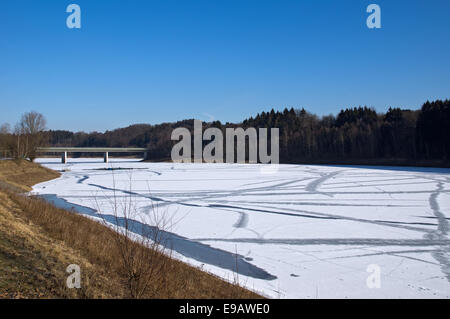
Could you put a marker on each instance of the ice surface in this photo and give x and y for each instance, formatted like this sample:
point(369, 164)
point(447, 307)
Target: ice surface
point(299, 231)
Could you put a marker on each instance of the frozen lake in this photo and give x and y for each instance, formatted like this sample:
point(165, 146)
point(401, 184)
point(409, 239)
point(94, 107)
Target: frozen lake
point(299, 232)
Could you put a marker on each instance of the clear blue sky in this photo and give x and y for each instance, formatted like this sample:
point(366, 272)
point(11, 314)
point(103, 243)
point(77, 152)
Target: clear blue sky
point(154, 61)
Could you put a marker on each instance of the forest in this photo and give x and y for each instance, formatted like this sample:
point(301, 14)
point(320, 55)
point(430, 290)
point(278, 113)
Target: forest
point(357, 135)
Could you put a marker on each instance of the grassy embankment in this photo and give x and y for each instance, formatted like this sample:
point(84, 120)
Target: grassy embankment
point(38, 241)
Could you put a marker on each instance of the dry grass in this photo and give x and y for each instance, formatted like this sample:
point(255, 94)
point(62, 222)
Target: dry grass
point(38, 241)
point(32, 264)
point(22, 174)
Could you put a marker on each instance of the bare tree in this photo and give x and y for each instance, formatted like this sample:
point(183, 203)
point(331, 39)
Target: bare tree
point(5, 140)
point(141, 242)
point(33, 123)
point(29, 132)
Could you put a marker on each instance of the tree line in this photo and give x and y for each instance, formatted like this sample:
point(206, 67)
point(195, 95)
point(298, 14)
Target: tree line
point(361, 134)
point(354, 135)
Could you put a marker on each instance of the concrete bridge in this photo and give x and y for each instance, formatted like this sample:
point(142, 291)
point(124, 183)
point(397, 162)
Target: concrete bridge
point(105, 150)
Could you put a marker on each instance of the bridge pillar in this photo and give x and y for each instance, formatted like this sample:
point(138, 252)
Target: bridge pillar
point(145, 155)
point(64, 157)
point(106, 157)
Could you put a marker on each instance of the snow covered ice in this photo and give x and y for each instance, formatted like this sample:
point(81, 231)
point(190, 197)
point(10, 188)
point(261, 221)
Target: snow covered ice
point(299, 231)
